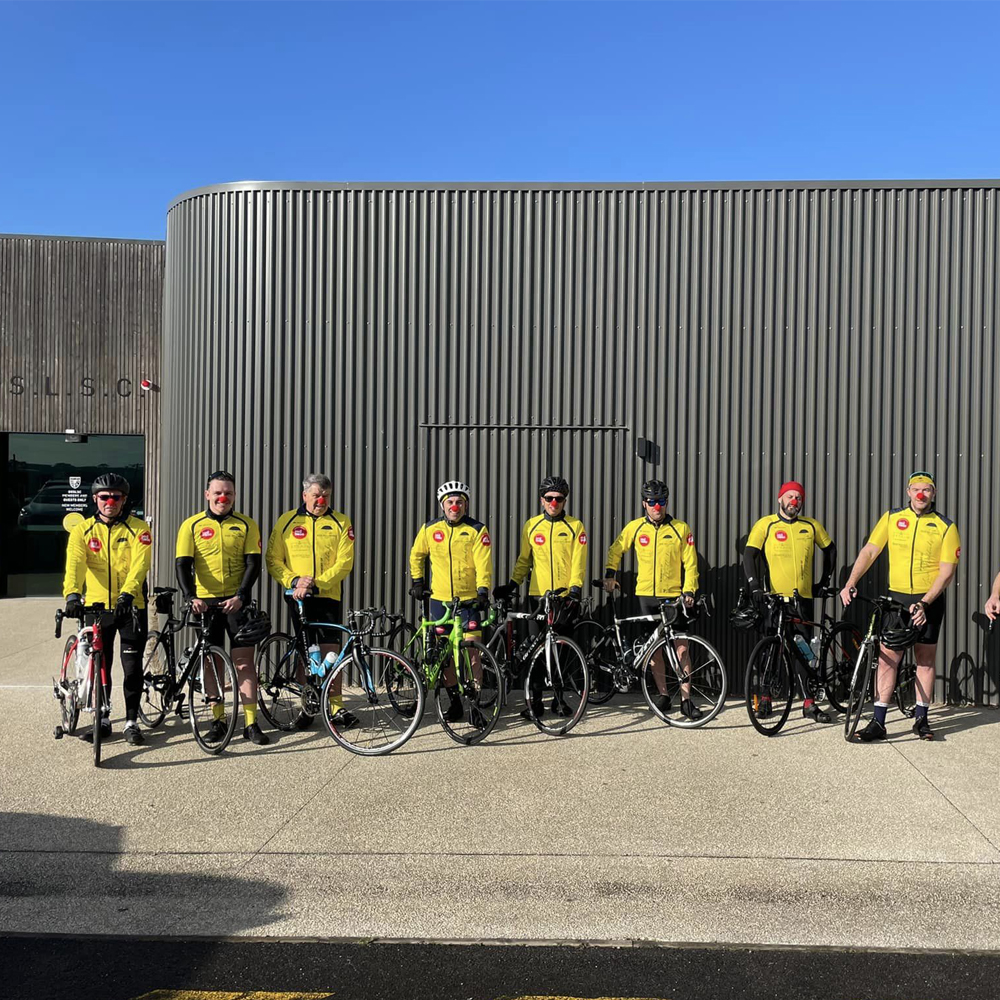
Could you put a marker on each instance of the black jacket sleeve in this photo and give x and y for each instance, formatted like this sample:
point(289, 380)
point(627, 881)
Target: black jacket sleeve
point(251, 574)
point(829, 564)
point(184, 567)
point(753, 560)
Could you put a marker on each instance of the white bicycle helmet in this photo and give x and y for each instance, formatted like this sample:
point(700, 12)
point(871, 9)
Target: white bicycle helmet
point(450, 487)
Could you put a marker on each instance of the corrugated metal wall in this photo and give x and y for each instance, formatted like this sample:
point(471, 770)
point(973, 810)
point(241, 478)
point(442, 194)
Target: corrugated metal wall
point(399, 335)
point(80, 327)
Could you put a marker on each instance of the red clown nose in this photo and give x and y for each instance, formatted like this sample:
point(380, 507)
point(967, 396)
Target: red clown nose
point(921, 496)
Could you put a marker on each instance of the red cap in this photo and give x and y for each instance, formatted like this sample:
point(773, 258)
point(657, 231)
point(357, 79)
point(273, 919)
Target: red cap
point(791, 485)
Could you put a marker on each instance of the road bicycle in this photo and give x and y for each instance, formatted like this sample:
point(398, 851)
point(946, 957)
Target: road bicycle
point(825, 662)
point(686, 694)
point(75, 689)
point(295, 684)
point(440, 644)
point(200, 685)
point(390, 630)
point(863, 676)
point(553, 666)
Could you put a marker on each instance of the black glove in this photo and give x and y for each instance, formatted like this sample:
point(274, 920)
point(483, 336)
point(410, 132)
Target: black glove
point(483, 598)
point(418, 590)
point(123, 606)
point(575, 593)
point(505, 591)
point(74, 606)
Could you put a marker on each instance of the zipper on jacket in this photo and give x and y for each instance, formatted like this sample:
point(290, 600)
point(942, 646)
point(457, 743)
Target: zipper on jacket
point(451, 561)
point(656, 543)
point(913, 549)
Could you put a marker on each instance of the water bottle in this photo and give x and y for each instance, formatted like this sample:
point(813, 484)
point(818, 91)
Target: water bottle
point(814, 646)
point(82, 674)
point(804, 648)
point(315, 666)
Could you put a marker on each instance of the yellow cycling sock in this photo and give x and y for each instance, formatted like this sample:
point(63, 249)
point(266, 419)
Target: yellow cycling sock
point(336, 703)
point(250, 713)
point(218, 711)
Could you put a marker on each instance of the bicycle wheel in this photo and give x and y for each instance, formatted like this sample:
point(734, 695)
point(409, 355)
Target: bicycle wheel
point(860, 687)
point(213, 697)
point(837, 658)
point(157, 681)
point(507, 667)
point(480, 694)
point(380, 704)
point(768, 685)
point(97, 699)
point(906, 685)
point(280, 672)
point(598, 649)
point(704, 671)
point(399, 638)
point(68, 693)
point(558, 679)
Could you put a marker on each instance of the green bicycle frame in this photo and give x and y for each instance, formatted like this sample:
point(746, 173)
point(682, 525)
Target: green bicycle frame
point(431, 668)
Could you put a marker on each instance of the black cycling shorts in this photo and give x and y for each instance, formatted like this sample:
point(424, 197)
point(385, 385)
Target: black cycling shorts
point(220, 626)
point(318, 609)
point(468, 611)
point(935, 615)
point(651, 606)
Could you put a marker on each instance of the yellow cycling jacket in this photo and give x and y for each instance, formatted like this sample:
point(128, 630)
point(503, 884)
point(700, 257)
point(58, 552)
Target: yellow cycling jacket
point(554, 552)
point(665, 555)
point(106, 560)
point(917, 547)
point(788, 548)
point(461, 558)
point(219, 546)
point(320, 546)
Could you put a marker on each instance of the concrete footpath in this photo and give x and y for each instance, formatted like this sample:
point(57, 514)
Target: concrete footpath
point(624, 831)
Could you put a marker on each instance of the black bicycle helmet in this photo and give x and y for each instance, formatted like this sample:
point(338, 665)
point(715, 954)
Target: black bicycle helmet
point(746, 615)
point(110, 481)
point(556, 483)
point(898, 632)
point(654, 489)
point(255, 626)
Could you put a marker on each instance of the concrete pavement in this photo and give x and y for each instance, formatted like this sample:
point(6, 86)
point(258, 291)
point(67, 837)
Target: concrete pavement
point(623, 831)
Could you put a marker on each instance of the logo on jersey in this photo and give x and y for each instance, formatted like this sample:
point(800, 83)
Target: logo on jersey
point(781, 536)
point(145, 538)
point(350, 533)
point(298, 531)
point(473, 625)
point(690, 538)
point(958, 551)
point(902, 524)
point(438, 536)
point(583, 537)
point(207, 533)
point(539, 539)
point(644, 539)
point(486, 540)
point(94, 545)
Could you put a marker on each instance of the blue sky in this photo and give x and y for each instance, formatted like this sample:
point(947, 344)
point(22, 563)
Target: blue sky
point(110, 110)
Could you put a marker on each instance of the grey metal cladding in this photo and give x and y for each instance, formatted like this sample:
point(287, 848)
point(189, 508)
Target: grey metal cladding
point(396, 336)
point(80, 327)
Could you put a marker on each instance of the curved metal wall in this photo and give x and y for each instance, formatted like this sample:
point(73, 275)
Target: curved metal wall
point(399, 335)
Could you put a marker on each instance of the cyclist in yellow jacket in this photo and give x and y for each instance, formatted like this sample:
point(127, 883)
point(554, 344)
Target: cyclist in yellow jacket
point(667, 563)
point(924, 546)
point(218, 565)
point(107, 560)
point(554, 552)
point(310, 552)
point(460, 552)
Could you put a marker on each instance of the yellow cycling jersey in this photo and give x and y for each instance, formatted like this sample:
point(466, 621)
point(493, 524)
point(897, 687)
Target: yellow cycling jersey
point(219, 546)
point(917, 547)
point(665, 555)
point(788, 548)
point(104, 561)
point(320, 546)
point(461, 557)
point(554, 552)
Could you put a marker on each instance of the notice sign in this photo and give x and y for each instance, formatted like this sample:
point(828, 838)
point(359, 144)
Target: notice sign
point(75, 499)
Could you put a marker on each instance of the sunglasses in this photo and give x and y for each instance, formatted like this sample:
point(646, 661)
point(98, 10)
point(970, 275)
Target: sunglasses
point(553, 498)
point(105, 497)
point(656, 502)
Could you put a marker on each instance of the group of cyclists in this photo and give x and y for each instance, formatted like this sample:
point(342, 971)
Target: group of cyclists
point(310, 552)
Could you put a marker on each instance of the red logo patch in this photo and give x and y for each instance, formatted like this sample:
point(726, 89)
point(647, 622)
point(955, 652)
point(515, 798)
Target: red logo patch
point(438, 536)
point(145, 538)
point(644, 539)
point(958, 551)
point(350, 533)
point(539, 539)
point(207, 533)
point(902, 524)
point(781, 536)
point(486, 540)
point(583, 537)
point(94, 545)
point(473, 625)
point(298, 531)
point(690, 539)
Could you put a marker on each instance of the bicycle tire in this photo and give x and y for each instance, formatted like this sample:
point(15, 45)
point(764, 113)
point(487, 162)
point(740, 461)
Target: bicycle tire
point(708, 684)
point(482, 699)
point(384, 721)
point(209, 684)
point(595, 641)
point(277, 665)
point(399, 637)
point(97, 700)
point(570, 687)
point(498, 647)
point(767, 687)
point(838, 655)
point(157, 689)
point(69, 703)
point(906, 685)
point(861, 681)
